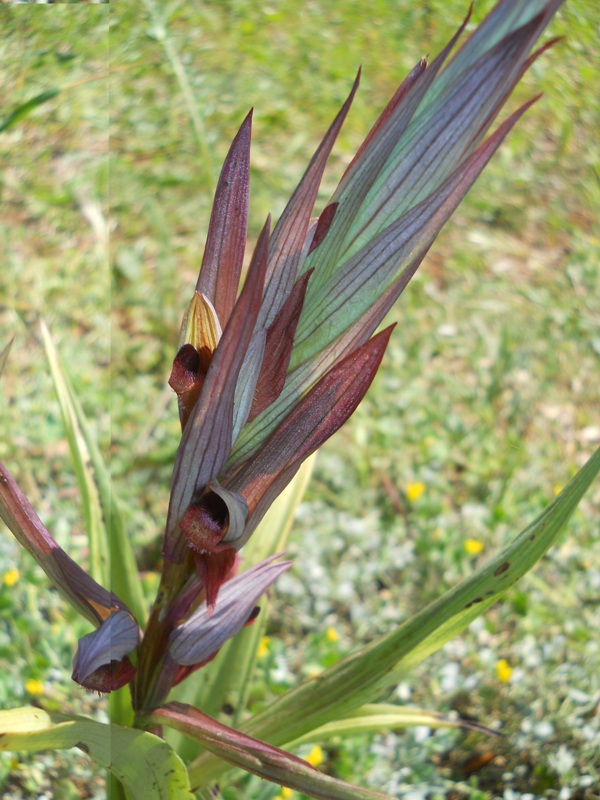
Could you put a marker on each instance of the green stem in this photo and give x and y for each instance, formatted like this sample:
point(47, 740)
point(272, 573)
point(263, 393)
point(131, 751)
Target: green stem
point(121, 713)
point(160, 32)
point(155, 670)
point(115, 789)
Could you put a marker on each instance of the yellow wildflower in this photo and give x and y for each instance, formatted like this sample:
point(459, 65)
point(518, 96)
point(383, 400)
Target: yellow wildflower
point(503, 670)
point(315, 757)
point(285, 794)
point(332, 635)
point(414, 490)
point(11, 577)
point(33, 686)
point(263, 647)
point(473, 546)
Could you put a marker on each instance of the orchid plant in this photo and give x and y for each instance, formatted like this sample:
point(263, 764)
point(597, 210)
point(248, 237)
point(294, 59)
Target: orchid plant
point(264, 375)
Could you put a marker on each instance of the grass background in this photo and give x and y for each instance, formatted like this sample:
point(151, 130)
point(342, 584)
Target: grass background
point(487, 396)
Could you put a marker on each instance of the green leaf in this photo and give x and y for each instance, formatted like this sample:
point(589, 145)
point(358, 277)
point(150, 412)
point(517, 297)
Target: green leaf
point(157, 15)
point(90, 500)
point(146, 765)
point(385, 716)
point(210, 793)
point(369, 673)
point(25, 108)
point(261, 759)
point(95, 487)
point(4, 356)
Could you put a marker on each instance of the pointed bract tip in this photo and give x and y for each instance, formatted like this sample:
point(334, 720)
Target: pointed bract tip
point(542, 49)
point(244, 133)
point(261, 248)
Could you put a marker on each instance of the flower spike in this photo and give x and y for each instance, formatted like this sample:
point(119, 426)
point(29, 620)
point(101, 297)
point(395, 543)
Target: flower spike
point(299, 351)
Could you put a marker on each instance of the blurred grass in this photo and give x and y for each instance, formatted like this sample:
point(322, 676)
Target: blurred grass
point(487, 396)
point(53, 233)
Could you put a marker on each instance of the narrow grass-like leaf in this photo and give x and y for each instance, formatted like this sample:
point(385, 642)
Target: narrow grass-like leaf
point(158, 18)
point(80, 456)
point(378, 717)
point(209, 793)
point(369, 673)
point(261, 759)
point(146, 765)
point(4, 356)
point(26, 108)
point(124, 576)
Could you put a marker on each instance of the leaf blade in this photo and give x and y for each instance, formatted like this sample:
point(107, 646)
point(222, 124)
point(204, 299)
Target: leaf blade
point(145, 764)
point(26, 108)
point(80, 456)
point(375, 717)
point(123, 575)
point(366, 675)
point(261, 759)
